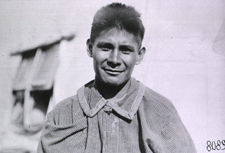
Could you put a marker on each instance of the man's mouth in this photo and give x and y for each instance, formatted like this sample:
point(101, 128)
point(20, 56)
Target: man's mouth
point(113, 71)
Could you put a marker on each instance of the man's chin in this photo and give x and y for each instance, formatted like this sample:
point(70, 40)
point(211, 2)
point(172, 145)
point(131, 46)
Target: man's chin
point(115, 82)
point(112, 82)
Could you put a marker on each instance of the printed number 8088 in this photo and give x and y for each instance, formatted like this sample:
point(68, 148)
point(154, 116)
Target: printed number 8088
point(215, 145)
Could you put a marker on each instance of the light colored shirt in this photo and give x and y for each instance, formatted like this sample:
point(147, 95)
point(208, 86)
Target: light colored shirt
point(142, 121)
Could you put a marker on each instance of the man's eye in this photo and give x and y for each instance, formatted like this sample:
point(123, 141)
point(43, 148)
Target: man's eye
point(105, 48)
point(126, 51)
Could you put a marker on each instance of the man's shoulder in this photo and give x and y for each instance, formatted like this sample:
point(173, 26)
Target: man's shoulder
point(67, 102)
point(71, 101)
point(156, 100)
point(157, 110)
point(69, 109)
point(65, 111)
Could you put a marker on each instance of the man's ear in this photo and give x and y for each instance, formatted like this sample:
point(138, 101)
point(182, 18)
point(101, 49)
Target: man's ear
point(89, 47)
point(141, 55)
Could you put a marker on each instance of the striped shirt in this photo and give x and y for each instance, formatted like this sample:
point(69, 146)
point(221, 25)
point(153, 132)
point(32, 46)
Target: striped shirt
point(142, 121)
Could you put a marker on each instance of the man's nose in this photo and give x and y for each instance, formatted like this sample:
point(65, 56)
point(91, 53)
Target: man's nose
point(114, 57)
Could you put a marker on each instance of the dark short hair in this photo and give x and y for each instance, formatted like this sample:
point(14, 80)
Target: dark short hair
point(120, 16)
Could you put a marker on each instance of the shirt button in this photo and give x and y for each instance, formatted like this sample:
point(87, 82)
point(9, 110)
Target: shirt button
point(107, 109)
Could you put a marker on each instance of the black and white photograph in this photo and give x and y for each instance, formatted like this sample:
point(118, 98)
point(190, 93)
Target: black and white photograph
point(104, 76)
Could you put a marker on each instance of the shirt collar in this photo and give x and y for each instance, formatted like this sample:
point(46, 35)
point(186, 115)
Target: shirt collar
point(92, 102)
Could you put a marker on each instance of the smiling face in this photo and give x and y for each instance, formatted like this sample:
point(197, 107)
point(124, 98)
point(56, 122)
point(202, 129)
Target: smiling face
point(115, 53)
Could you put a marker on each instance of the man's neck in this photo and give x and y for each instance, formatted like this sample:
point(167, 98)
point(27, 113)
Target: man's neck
point(112, 92)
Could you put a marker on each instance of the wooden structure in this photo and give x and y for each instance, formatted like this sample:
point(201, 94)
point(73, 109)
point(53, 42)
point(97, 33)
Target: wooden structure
point(34, 82)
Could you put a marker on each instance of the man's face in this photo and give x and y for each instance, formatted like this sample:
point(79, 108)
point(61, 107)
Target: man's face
point(115, 53)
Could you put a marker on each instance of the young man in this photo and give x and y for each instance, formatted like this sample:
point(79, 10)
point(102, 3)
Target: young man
point(115, 113)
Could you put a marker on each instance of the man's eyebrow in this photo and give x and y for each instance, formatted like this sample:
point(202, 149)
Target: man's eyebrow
point(127, 46)
point(100, 44)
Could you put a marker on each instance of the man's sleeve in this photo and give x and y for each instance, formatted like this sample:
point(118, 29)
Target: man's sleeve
point(64, 131)
point(161, 126)
point(176, 137)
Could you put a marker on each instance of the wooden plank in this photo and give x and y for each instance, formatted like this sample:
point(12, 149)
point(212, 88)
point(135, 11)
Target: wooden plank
point(28, 102)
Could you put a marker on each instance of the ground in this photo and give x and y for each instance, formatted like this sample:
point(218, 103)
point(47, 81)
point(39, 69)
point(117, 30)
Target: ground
point(12, 140)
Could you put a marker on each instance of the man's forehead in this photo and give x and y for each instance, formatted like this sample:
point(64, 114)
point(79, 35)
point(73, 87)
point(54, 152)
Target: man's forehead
point(118, 33)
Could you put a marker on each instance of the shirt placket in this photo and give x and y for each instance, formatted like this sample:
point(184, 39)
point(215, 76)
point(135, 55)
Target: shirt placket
point(109, 131)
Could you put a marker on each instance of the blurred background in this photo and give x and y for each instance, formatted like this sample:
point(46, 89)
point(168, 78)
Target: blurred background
point(43, 60)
